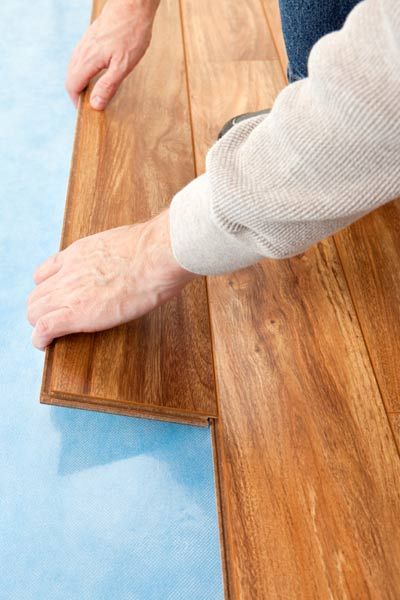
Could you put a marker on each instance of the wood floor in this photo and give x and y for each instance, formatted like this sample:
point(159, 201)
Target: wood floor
point(305, 402)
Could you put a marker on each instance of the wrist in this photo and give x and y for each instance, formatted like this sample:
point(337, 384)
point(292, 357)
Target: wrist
point(159, 255)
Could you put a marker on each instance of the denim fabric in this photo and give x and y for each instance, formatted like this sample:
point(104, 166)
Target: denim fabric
point(304, 22)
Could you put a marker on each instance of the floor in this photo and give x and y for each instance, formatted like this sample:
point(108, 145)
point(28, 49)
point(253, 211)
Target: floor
point(92, 506)
point(306, 356)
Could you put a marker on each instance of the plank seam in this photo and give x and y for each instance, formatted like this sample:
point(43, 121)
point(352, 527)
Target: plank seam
point(271, 32)
point(367, 347)
point(218, 484)
point(186, 63)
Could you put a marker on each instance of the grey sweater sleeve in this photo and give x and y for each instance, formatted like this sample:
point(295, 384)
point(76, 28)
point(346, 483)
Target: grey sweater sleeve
point(328, 153)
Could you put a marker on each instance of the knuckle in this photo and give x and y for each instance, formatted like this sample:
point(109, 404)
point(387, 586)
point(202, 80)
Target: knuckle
point(121, 64)
point(107, 85)
point(43, 326)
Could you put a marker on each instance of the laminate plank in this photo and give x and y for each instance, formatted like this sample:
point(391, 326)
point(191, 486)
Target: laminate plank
point(370, 254)
point(127, 164)
point(395, 423)
point(271, 8)
point(308, 471)
point(243, 38)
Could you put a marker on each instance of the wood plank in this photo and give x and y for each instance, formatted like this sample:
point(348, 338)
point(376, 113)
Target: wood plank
point(271, 8)
point(127, 164)
point(395, 423)
point(370, 254)
point(308, 470)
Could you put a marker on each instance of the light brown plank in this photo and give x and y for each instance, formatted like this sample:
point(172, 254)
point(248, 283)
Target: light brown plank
point(308, 470)
point(271, 8)
point(370, 253)
point(395, 423)
point(127, 164)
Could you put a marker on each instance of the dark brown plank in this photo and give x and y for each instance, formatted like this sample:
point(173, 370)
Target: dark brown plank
point(308, 471)
point(128, 162)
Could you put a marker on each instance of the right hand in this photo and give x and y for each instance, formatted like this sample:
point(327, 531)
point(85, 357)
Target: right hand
point(115, 41)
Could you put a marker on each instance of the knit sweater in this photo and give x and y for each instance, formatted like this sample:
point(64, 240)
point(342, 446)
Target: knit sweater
point(327, 154)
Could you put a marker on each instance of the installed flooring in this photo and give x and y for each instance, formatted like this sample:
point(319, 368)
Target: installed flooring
point(305, 403)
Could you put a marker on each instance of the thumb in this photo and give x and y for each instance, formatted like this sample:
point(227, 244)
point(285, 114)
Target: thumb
point(106, 87)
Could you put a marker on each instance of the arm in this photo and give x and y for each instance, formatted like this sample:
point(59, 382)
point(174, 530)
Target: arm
point(115, 41)
point(327, 154)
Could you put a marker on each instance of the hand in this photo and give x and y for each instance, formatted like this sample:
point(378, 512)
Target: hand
point(104, 280)
point(115, 41)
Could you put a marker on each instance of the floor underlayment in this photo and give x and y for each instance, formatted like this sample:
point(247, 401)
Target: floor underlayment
point(92, 505)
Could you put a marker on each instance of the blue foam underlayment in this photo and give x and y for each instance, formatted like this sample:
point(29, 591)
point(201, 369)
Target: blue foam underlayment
point(92, 506)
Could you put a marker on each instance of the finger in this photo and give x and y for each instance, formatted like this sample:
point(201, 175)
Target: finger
point(42, 306)
point(48, 286)
point(53, 325)
point(50, 267)
point(106, 87)
point(80, 72)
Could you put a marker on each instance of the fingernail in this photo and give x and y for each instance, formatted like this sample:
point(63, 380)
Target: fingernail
point(97, 102)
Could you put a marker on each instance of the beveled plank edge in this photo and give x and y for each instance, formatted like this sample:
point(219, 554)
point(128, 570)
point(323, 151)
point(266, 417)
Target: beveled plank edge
point(389, 414)
point(49, 352)
point(394, 420)
point(196, 174)
point(274, 37)
point(126, 405)
point(83, 404)
point(129, 404)
point(221, 509)
point(211, 421)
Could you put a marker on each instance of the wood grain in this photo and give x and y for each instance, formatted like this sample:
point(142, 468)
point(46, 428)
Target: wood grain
point(271, 8)
point(395, 423)
point(309, 474)
point(370, 253)
point(128, 162)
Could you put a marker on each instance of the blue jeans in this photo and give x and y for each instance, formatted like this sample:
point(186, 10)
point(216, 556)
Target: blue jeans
point(304, 22)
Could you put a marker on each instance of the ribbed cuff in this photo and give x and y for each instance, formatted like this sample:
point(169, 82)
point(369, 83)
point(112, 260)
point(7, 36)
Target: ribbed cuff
point(198, 244)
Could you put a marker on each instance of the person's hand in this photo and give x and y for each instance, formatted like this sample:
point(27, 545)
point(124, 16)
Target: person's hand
point(104, 280)
point(115, 41)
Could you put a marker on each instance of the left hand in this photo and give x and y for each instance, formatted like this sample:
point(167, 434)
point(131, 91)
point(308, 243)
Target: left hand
point(104, 280)
point(115, 41)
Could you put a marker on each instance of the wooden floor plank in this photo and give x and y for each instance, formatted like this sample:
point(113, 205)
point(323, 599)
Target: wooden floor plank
point(128, 162)
point(309, 472)
point(395, 423)
point(370, 254)
point(271, 8)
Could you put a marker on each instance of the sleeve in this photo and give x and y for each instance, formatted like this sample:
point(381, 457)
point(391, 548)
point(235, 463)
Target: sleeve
point(327, 154)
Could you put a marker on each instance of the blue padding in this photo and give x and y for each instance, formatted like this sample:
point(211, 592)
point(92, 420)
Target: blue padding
point(92, 506)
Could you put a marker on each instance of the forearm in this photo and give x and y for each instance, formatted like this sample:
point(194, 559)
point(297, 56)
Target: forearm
point(327, 154)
